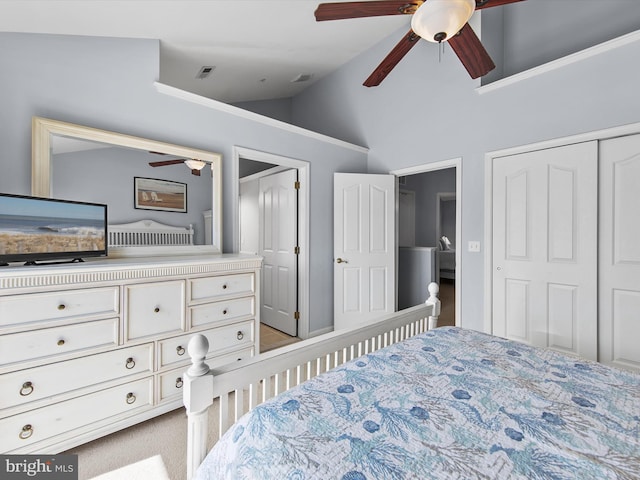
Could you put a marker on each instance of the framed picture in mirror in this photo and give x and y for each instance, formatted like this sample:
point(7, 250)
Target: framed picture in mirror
point(156, 194)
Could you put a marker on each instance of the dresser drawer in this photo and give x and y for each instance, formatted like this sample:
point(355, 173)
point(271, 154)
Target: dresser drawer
point(229, 338)
point(22, 430)
point(37, 344)
point(154, 309)
point(52, 306)
point(25, 386)
point(223, 311)
point(213, 288)
point(171, 382)
point(174, 350)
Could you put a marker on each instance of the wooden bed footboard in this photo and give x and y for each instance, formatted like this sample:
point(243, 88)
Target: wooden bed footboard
point(240, 386)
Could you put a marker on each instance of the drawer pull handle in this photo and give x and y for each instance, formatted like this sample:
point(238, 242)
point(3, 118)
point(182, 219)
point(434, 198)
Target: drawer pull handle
point(180, 350)
point(156, 310)
point(130, 363)
point(225, 311)
point(131, 398)
point(62, 306)
point(224, 286)
point(239, 335)
point(26, 432)
point(27, 389)
point(61, 342)
point(179, 382)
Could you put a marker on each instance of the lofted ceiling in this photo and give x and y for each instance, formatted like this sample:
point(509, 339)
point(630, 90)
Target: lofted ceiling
point(258, 47)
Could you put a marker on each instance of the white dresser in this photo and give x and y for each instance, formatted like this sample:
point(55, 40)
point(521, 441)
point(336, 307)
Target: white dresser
point(88, 349)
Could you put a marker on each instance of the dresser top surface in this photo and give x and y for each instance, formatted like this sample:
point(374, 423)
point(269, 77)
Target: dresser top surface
point(116, 269)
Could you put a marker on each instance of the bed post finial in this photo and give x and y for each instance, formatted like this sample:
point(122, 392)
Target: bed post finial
point(198, 348)
point(435, 301)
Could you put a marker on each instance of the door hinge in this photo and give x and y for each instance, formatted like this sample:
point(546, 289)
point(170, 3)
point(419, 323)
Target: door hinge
point(296, 315)
point(296, 185)
point(296, 250)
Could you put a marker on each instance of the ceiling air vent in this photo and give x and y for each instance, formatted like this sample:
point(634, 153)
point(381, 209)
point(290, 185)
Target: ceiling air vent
point(303, 77)
point(204, 72)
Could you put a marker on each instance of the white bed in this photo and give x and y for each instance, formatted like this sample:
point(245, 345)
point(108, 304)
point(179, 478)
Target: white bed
point(399, 399)
point(148, 233)
point(239, 387)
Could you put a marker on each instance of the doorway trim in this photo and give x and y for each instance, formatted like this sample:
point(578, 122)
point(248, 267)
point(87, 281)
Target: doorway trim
point(441, 165)
point(303, 167)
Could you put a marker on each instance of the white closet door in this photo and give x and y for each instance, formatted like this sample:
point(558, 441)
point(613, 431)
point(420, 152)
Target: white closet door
point(545, 248)
point(619, 269)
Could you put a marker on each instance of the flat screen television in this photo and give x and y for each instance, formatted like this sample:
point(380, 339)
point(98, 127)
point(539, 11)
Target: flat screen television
point(34, 229)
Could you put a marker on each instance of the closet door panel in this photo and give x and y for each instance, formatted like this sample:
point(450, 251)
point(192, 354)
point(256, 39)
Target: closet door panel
point(619, 264)
point(545, 237)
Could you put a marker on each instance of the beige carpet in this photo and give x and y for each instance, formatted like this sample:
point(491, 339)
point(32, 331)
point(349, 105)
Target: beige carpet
point(165, 435)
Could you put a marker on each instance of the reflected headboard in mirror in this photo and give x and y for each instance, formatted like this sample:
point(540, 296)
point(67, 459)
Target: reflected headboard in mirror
point(138, 178)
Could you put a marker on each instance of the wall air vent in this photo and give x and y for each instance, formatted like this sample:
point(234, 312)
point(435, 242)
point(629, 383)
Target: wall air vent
point(204, 72)
point(303, 77)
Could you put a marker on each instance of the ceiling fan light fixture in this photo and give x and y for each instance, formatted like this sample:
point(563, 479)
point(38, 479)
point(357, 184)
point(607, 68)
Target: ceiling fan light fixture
point(194, 164)
point(439, 20)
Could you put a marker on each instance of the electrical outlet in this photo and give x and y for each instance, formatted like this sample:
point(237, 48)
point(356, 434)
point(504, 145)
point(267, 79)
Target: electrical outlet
point(474, 246)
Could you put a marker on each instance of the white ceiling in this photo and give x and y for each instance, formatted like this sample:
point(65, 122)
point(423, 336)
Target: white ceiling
point(257, 46)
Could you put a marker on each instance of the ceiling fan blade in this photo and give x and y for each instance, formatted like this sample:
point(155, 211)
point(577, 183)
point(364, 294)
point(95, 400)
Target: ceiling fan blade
point(480, 4)
point(391, 60)
point(472, 54)
point(340, 11)
point(165, 162)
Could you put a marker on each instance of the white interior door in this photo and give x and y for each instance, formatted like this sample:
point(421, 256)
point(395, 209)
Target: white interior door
point(619, 265)
point(278, 209)
point(364, 247)
point(545, 248)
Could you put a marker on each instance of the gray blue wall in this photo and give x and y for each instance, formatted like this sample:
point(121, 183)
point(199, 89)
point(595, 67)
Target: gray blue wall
point(109, 84)
point(428, 111)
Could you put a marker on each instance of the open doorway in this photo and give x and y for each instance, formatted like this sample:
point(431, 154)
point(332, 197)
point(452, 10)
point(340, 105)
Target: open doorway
point(271, 215)
point(429, 222)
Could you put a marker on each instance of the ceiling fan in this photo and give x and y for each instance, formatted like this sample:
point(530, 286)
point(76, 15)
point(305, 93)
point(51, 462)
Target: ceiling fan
point(434, 20)
point(193, 164)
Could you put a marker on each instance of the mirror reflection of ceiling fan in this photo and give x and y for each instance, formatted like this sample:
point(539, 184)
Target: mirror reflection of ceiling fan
point(193, 164)
point(434, 20)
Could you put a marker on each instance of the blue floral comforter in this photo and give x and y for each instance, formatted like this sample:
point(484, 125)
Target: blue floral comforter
point(449, 403)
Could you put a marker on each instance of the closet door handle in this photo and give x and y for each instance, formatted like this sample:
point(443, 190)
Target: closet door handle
point(341, 260)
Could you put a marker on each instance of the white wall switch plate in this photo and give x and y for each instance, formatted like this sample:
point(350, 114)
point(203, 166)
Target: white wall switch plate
point(474, 246)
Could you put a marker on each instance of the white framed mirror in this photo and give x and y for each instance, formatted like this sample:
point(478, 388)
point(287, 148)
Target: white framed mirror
point(75, 162)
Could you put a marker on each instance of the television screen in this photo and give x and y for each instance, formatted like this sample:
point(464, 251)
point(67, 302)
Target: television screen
point(34, 229)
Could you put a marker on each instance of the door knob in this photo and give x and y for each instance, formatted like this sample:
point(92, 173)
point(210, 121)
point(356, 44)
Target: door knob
point(340, 260)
